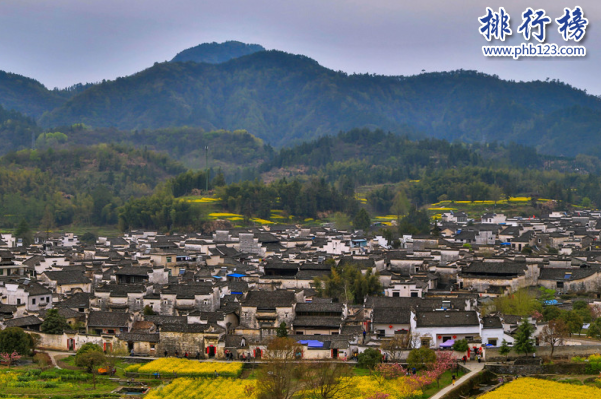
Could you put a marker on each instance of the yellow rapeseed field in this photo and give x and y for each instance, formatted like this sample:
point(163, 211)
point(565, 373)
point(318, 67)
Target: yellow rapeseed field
point(529, 388)
point(186, 367)
point(203, 388)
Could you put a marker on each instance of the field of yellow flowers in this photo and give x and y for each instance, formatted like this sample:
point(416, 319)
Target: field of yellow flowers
point(203, 388)
point(528, 388)
point(190, 368)
point(209, 388)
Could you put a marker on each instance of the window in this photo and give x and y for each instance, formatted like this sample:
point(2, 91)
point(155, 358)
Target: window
point(413, 294)
point(469, 338)
point(492, 342)
point(33, 301)
point(152, 346)
point(560, 284)
point(425, 342)
point(169, 259)
point(396, 294)
point(206, 301)
point(1, 272)
point(47, 299)
point(18, 301)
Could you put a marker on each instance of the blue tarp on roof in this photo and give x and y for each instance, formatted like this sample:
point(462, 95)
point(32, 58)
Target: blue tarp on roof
point(236, 275)
point(505, 243)
point(216, 277)
point(551, 302)
point(237, 293)
point(312, 343)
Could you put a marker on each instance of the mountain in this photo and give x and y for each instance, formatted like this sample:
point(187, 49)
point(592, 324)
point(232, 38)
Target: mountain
point(26, 95)
point(284, 98)
point(216, 53)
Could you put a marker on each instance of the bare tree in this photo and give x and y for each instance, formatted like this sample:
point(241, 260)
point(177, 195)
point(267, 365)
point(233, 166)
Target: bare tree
point(554, 334)
point(399, 343)
point(280, 377)
point(326, 380)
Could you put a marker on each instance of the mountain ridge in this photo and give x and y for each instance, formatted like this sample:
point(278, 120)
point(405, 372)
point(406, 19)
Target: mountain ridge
point(286, 99)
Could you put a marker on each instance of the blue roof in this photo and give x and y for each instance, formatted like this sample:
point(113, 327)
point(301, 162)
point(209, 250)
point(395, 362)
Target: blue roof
point(237, 293)
point(236, 275)
point(312, 343)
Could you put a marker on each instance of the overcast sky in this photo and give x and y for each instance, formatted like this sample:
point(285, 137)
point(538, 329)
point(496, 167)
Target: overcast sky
point(63, 42)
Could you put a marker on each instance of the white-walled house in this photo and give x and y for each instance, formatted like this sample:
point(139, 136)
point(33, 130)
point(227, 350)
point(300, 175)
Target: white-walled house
point(436, 327)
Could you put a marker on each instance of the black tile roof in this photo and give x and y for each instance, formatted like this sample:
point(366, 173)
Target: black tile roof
point(447, 319)
point(108, 319)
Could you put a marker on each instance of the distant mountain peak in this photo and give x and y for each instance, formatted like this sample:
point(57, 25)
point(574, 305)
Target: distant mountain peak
point(216, 53)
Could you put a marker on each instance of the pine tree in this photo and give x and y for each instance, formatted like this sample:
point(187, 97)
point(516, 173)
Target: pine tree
point(504, 349)
point(282, 330)
point(362, 221)
point(523, 338)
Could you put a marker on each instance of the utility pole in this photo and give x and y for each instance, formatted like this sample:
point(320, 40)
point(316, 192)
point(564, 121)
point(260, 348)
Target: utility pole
point(207, 168)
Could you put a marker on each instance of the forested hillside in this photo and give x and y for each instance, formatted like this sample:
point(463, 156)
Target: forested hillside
point(78, 185)
point(216, 53)
point(284, 98)
point(26, 95)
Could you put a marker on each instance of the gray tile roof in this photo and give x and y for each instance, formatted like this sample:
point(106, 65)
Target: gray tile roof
point(447, 319)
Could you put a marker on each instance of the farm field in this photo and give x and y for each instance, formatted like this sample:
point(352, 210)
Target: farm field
point(188, 368)
point(528, 388)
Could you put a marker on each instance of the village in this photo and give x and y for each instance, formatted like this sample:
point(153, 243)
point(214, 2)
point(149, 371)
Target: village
point(227, 294)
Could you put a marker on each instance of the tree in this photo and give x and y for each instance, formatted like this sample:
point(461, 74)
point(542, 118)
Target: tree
point(444, 361)
point(369, 358)
point(523, 338)
point(460, 345)
point(348, 284)
point(554, 334)
point(552, 312)
point(35, 341)
point(400, 205)
point(573, 321)
point(504, 349)
point(280, 377)
point(14, 339)
point(422, 357)
point(54, 323)
point(91, 361)
point(328, 381)
point(594, 330)
point(148, 311)
point(24, 233)
point(399, 343)
point(88, 238)
point(10, 358)
point(85, 348)
point(362, 221)
point(546, 294)
point(416, 222)
point(521, 303)
point(282, 330)
point(341, 221)
point(578, 305)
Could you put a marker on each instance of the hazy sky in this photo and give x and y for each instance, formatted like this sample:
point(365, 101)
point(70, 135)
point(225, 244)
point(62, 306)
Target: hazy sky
point(62, 42)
